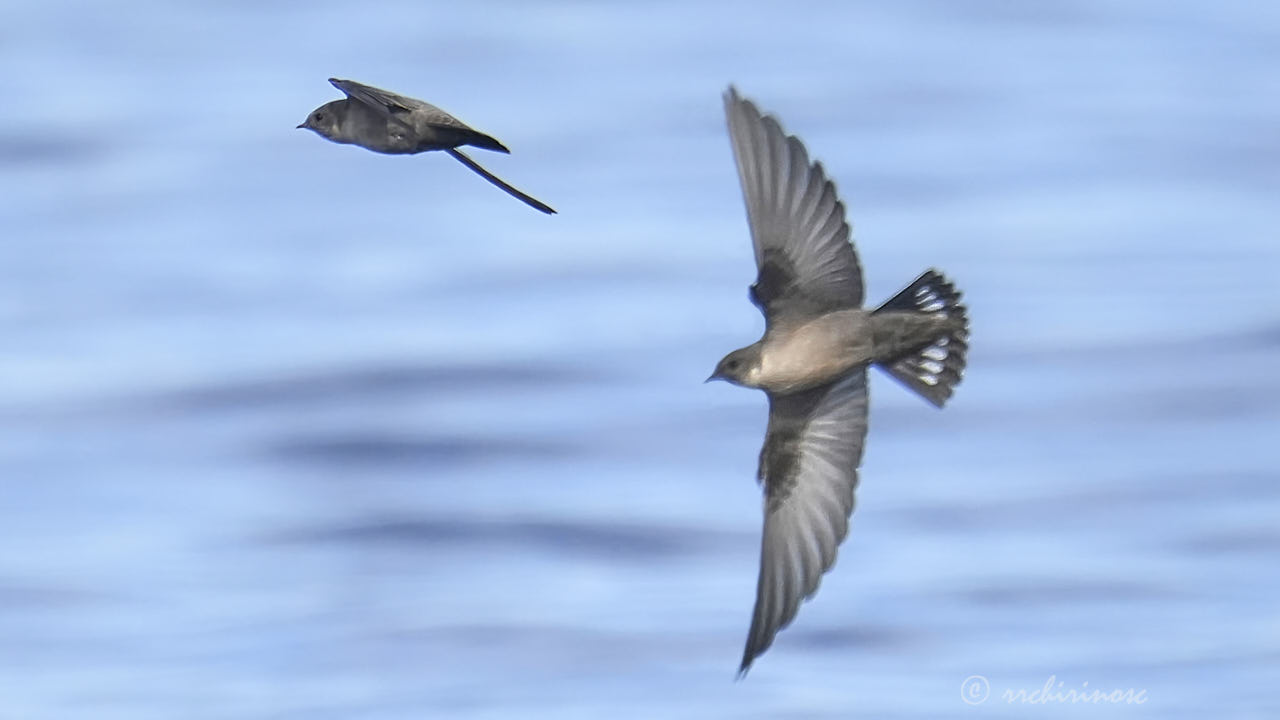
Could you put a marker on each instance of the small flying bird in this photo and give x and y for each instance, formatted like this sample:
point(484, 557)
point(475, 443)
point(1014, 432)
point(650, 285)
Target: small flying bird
point(812, 361)
point(388, 123)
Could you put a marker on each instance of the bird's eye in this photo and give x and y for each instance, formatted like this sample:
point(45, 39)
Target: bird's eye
point(732, 365)
point(318, 117)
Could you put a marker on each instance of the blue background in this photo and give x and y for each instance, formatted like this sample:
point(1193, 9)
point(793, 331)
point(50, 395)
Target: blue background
point(294, 430)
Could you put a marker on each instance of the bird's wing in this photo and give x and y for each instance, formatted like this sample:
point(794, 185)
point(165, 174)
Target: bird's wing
point(809, 468)
point(506, 187)
point(398, 107)
point(806, 263)
point(394, 107)
point(381, 100)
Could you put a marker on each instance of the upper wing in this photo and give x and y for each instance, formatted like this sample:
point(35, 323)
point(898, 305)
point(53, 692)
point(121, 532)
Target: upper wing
point(806, 263)
point(395, 107)
point(809, 467)
point(398, 107)
point(381, 100)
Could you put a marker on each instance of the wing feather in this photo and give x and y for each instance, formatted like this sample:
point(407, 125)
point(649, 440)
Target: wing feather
point(404, 110)
point(809, 468)
point(805, 261)
point(384, 101)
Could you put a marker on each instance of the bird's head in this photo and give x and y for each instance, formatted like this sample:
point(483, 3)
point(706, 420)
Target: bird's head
point(325, 119)
point(740, 367)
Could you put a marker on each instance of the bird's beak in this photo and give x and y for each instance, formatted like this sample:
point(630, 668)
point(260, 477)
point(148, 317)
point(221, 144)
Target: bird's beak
point(302, 126)
point(714, 376)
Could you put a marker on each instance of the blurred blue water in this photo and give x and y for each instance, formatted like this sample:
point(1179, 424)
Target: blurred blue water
point(293, 430)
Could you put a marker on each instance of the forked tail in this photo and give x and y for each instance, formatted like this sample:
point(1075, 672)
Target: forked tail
point(933, 370)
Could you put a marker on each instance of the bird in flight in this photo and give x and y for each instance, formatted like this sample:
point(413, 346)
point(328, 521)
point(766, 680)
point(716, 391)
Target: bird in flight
point(388, 123)
point(812, 360)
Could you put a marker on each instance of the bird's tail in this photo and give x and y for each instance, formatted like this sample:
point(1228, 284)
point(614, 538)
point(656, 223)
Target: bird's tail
point(934, 369)
point(529, 200)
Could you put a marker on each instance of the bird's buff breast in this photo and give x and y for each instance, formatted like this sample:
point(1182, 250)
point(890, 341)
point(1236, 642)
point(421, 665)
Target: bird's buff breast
point(814, 353)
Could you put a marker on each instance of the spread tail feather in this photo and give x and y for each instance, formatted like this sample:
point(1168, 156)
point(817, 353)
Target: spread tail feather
point(935, 369)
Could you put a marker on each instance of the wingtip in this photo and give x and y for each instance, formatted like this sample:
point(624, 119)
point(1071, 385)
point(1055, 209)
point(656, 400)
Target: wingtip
point(732, 97)
point(739, 108)
point(749, 655)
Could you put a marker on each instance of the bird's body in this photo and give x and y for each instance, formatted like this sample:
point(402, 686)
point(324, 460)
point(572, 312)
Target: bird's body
point(799, 357)
point(384, 122)
point(812, 360)
point(417, 128)
point(795, 358)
